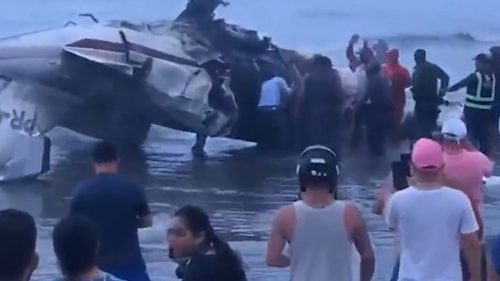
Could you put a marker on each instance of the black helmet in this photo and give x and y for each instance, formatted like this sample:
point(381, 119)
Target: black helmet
point(318, 164)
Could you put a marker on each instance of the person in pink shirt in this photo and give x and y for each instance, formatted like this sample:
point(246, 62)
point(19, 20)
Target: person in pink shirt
point(464, 169)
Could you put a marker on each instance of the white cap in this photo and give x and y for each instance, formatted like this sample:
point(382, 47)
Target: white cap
point(454, 129)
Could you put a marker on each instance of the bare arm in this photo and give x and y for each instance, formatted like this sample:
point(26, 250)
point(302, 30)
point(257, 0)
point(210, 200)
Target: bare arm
point(351, 56)
point(277, 242)
point(407, 80)
point(492, 274)
point(472, 248)
point(361, 240)
point(470, 241)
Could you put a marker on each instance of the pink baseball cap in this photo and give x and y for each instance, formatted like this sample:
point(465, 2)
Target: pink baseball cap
point(427, 155)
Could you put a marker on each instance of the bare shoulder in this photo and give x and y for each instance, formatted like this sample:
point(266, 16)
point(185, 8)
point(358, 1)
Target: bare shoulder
point(284, 213)
point(352, 214)
point(351, 208)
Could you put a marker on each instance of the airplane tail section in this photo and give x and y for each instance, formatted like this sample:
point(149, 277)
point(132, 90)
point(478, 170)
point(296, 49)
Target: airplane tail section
point(24, 151)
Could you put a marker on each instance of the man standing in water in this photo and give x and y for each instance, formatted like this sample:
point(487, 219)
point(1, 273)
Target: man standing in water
point(321, 108)
point(359, 66)
point(479, 101)
point(320, 230)
point(425, 93)
point(495, 67)
point(400, 79)
point(117, 207)
point(430, 237)
point(377, 107)
point(274, 108)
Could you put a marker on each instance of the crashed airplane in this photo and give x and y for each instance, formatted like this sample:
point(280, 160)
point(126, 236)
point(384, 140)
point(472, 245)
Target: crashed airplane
point(113, 80)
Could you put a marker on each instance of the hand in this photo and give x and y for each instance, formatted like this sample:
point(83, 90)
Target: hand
point(354, 39)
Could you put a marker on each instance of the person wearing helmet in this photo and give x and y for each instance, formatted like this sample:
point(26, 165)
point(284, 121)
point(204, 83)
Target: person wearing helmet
point(319, 229)
point(480, 97)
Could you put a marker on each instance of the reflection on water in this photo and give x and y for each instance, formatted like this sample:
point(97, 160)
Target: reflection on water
point(240, 188)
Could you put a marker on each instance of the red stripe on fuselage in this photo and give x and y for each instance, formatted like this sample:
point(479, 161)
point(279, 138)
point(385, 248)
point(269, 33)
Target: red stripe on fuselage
point(118, 47)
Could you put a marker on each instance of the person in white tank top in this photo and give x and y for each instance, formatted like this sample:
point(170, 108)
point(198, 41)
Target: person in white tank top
point(319, 229)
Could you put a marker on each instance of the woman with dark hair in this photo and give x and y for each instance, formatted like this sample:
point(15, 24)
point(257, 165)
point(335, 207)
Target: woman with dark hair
point(201, 254)
point(75, 244)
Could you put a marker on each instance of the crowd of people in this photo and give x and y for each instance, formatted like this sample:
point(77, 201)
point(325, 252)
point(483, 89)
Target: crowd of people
point(437, 222)
point(315, 94)
point(436, 219)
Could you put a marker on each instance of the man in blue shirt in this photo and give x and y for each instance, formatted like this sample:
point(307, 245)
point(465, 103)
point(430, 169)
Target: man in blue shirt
point(117, 207)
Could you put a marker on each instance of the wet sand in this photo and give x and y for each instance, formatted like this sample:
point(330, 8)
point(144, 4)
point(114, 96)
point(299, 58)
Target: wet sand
point(239, 186)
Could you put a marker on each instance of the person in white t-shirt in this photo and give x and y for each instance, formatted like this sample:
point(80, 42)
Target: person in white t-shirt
point(431, 220)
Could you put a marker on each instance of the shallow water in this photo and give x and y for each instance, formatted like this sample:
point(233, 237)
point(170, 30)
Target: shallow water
point(240, 187)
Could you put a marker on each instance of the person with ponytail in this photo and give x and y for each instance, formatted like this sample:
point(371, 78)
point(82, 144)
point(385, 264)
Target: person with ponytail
point(200, 253)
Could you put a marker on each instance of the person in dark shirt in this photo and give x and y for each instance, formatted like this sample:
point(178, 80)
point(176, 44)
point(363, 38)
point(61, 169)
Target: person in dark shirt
point(321, 108)
point(18, 258)
point(117, 207)
point(76, 246)
point(201, 254)
point(479, 103)
point(377, 107)
point(426, 94)
point(495, 65)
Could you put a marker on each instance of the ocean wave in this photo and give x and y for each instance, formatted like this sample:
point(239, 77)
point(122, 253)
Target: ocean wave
point(459, 36)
